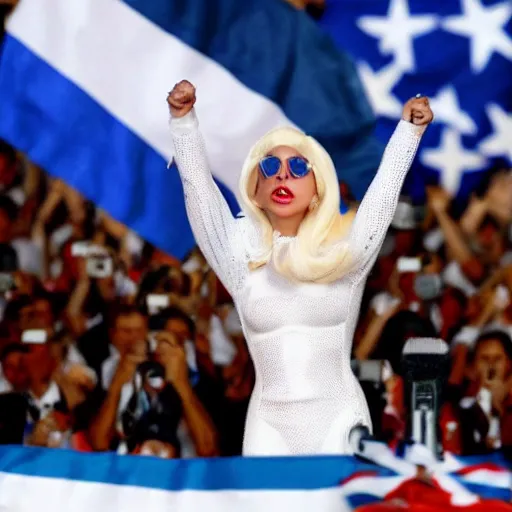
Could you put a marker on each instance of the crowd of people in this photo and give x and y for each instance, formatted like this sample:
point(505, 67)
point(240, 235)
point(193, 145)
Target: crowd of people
point(107, 343)
point(446, 272)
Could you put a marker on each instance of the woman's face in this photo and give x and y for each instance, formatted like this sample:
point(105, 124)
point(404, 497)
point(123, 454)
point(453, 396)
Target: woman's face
point(284, 196)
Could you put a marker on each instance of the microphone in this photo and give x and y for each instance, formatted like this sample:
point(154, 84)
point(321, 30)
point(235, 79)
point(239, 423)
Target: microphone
point(357, 437)
point(426, 365)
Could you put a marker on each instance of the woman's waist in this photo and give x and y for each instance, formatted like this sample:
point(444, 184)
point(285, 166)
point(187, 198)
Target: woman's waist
point(299, 351)
point(309, 341)
point(293, 385)
point(295, 401)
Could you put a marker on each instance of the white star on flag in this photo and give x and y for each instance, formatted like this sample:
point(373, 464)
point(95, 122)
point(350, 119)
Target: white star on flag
point(484, 25)
point(446, 107)
point(378, 85)
point(452, 160)
point(397, 30)
point(498, 143)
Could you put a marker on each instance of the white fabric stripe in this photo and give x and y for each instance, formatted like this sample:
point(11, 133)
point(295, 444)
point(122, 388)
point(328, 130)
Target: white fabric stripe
point(128, 64)
point(19, 493)
point(485, 477)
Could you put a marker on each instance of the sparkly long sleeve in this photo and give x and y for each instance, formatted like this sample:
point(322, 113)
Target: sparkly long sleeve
point(378, 207)
point(212, 222)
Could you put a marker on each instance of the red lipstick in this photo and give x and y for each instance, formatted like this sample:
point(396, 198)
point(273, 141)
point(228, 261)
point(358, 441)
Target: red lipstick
point(282, 195)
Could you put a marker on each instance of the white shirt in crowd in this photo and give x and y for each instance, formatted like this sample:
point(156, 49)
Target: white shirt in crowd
point(30, 258)
point(46, 403)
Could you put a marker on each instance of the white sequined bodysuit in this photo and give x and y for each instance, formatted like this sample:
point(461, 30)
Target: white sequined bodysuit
point(306, 398)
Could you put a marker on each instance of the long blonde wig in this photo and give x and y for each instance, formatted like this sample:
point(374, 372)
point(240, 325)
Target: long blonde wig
point(313, 255)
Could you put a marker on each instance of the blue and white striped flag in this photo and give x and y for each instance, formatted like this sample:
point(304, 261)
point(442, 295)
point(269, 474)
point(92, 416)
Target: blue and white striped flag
point(46, 480)
point(83, 88)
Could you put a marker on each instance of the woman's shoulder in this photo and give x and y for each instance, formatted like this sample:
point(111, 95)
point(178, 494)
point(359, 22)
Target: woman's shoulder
point(248, 237)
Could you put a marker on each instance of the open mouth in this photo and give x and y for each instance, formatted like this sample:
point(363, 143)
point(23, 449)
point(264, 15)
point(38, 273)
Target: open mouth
point(282, 195)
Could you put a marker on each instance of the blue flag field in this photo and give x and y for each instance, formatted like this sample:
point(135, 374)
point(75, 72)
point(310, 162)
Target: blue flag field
point(83, 89)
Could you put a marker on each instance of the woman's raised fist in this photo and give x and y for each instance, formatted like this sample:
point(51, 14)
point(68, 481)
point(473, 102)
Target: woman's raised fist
point(182, 98)
point(417, 111)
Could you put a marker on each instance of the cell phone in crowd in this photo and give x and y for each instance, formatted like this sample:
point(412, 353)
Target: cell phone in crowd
point(408, 265)
point(99, 264)
point(80, 249)
point(376, 371)
point(155, 302)
point(7, 283)
point(34, 336)
point(99, 267)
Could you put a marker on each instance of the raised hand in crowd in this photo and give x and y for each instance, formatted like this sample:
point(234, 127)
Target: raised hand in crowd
point(102, 430)
point(455, 240)
point(129, 363)
point(54, 197)
point(172, 357)
point(438, 199)
point(74, 309)
point(80, 376)
point(496, 201)
point(50, 431)
point(500, 389)
point(499, 197)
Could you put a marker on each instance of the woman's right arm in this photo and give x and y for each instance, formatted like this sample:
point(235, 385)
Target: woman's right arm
point(212, 222)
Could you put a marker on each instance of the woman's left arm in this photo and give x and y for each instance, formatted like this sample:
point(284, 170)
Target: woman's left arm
point(377, 209)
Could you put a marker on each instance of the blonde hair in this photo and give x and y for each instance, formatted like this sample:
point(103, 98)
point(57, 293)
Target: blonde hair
point(313, 255)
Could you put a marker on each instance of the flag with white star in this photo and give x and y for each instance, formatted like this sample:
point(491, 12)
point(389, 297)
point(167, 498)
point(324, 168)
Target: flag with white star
point(456, 52)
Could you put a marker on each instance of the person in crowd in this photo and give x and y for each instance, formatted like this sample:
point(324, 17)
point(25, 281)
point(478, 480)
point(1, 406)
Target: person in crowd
point(28, 252)
point(146, 374)
point(478, 415)
point(13, 376)
point(58, 399)
point(9, 174)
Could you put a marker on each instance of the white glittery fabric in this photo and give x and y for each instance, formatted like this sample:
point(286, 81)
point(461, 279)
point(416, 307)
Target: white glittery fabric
point(306, 398)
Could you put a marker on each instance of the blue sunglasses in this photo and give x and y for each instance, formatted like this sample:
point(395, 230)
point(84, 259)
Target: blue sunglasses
point(271, 165)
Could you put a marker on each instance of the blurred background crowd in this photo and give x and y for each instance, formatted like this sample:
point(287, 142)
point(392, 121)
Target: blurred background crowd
point(107, 343)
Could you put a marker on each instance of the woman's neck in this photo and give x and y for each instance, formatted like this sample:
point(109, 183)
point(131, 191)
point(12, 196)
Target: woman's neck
point(286, 226)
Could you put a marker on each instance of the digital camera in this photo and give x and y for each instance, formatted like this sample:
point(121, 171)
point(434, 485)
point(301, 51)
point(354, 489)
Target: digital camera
point(99, 267)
